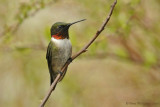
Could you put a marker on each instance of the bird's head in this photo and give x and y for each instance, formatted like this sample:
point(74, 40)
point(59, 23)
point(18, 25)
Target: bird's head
point(59, 30)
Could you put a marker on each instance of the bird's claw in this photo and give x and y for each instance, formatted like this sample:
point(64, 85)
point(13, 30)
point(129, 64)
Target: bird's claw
point(60, 73)
point(70, 60)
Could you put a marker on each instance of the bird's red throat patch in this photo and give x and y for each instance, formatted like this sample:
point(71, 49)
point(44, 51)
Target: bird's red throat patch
point(58, 36)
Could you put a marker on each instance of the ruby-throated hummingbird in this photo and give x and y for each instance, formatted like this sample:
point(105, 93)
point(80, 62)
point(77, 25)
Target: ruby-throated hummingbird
point(59, 49)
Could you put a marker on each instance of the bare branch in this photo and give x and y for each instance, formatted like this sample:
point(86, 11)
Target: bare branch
point(79, 53)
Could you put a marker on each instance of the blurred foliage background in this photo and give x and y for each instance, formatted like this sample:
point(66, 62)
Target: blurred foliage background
point(122, 66)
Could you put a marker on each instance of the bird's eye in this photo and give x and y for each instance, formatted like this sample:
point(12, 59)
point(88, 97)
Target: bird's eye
point(60, 26)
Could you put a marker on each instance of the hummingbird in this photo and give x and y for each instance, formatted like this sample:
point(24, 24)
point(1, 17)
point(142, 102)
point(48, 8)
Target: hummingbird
point(59, 50)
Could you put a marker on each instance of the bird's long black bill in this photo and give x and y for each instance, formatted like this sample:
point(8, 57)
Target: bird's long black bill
point(78, 21)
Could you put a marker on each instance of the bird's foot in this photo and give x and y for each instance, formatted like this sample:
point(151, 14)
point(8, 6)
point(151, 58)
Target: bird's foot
point(60, 73)
point(70, 60)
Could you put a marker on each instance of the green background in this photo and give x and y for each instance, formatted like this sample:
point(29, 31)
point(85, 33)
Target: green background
point(121, 68)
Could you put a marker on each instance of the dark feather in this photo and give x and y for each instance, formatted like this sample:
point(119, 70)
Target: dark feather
point(49, 60)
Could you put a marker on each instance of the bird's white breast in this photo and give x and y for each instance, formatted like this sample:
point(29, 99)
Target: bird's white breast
point(64, 45)
point(64, 52)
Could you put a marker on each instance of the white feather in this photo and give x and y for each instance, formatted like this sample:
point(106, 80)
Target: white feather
point(64, 45)
point(61, 43)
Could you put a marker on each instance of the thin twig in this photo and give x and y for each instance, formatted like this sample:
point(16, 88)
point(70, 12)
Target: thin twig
point(79, 53)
